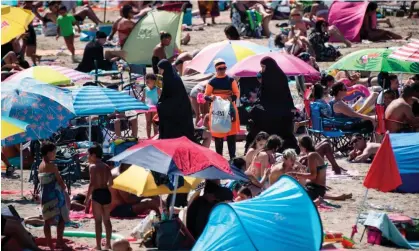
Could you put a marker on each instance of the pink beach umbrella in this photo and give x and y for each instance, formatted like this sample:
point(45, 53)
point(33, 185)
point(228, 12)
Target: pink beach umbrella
point(290, 64)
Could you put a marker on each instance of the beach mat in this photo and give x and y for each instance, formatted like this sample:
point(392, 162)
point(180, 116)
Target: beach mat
point(56, 52)
point(12, 192)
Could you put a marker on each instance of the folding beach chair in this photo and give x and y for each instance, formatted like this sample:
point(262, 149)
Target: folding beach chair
point(101, 73)
point(135, 71)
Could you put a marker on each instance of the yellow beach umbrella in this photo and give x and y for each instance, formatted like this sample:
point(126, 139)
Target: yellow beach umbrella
point(14, 22)
point(11, 126)
point(139, 181)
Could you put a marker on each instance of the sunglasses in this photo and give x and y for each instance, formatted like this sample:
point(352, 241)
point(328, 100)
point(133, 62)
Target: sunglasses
point(222, 69)
point(355, 141)
point(296, 15)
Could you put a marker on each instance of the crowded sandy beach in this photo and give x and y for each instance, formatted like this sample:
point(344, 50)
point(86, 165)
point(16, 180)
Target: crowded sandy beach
point(210, 125)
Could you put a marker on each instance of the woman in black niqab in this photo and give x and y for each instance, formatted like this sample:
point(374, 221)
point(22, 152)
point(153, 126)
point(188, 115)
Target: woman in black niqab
point(273, 112)
point(174, 108)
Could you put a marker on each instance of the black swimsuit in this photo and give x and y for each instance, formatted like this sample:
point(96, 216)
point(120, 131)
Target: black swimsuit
point(102, 196)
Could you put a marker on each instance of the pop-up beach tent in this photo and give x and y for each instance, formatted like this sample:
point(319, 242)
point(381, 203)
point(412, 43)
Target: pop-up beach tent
point(348, 18)
point(281, 218)
point(395, 167)
point(146, 35)
point(396, 164)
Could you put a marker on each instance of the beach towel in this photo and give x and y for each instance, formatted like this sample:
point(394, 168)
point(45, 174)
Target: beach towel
point(348, 18)
point(344, 176)
point(53, 198)
point(388, 230)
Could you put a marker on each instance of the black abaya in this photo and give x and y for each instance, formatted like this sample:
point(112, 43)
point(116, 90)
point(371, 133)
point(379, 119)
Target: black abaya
point(174, 107)
point(272, 113)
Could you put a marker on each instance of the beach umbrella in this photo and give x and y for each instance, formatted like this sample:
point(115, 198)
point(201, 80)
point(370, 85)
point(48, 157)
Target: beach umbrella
point(376, 60)
point(290, 64)
point(14, 22)
point(179, 156)
point(140, 181)
point(231, 51)
point(11, 126)
point(44, 107)
point(55, 75)
point(409, 52)
point(95, 100)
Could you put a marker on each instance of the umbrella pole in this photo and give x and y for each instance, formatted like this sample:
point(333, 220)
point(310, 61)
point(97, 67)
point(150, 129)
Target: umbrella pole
point(104, 14)
point(354, 228)
point(21, 170)
point(90, 131)
point(172, 203)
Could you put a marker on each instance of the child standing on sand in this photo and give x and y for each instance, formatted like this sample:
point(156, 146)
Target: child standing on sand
point(65, 24)
point(151, 95)
point(100, 181)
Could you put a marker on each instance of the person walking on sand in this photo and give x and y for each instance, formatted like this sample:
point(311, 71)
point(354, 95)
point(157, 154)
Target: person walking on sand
point(65, 24)
point(53, 196)
point(100, 181)
point(224, 87)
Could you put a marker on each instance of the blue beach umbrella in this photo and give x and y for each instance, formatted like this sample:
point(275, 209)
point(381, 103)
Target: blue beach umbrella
point(46, 108)
point(94, 100)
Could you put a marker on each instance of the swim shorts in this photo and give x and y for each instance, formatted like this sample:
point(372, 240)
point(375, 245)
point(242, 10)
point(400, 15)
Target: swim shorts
point(102, 196)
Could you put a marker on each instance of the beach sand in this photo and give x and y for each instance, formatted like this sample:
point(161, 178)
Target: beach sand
point(341, 219)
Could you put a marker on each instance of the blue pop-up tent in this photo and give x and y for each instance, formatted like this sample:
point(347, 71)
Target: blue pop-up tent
point(281, 218)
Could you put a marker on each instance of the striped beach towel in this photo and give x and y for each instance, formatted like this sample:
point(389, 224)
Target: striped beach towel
point(409, 52)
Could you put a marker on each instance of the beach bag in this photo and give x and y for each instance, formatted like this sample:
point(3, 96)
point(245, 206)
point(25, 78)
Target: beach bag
point(172, 235)
point(50, 29)
point(221, 118)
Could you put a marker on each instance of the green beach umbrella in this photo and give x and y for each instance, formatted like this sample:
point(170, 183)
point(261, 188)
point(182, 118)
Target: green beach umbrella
point(374, 60)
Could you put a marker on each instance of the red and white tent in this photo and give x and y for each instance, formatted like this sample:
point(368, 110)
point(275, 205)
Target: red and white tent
point(409, 52)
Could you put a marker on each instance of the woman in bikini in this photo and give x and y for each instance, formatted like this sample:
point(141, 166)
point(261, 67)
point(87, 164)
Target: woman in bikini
point(316, 186)
point(256, 146)
point(125, 25)
point(289, 159)
point(263, 160)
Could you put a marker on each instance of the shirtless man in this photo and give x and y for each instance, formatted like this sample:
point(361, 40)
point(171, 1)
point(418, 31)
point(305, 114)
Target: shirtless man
point(363, 150)
point(159, 52)
point(399, 115)
point(128, 205)
point(100, 181)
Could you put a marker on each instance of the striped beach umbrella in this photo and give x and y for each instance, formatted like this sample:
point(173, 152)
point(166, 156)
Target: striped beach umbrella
point(231, 51)
point(55, 75)
point(94, 100)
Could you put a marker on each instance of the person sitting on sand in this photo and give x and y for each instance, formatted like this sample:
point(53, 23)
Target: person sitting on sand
point(363, 150)
point(399, 116)
point(159, 52)
point(319, 38)
point(100, 181)
point(231, 33)
point(13, 228)
point(316, 187)
point(94, 51)
point(369, 29)
point(257, 145)
point(289, 159)
point(264, 159)
point(126, 24)
point(127, 205)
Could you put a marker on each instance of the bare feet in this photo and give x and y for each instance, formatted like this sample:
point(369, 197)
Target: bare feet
point(108, 247)
point(186, 39)
point(389, 23)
